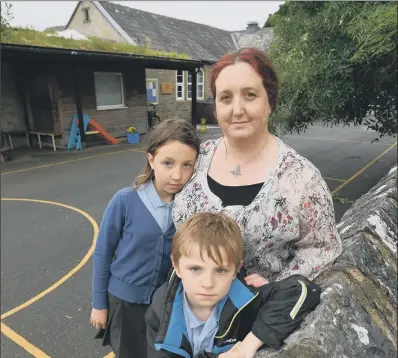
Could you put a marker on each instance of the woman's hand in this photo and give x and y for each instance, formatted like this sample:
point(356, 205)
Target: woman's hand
point(249, 346)
point(255, 280)
point(233, 353)
point(98, 318)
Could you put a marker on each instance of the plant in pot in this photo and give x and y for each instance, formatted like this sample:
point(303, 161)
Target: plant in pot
point(202, 127)
point(133, 137)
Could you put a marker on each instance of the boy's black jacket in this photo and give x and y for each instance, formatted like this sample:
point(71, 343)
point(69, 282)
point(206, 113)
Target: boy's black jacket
point(272, 312)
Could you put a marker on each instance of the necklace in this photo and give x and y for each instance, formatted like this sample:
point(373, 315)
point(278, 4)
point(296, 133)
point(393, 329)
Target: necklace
point(237, 170)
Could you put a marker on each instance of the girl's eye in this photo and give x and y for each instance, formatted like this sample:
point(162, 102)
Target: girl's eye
point(188, 165)
point(167, 164)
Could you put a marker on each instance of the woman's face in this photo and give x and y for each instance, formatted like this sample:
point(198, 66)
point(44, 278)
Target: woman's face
point(242, 106)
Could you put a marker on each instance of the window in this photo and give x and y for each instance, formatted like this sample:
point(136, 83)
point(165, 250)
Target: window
point(199, 85)
point(180, 85)
point(152, 91)
point(109, 90)
point(86, 15)
point(189, 86)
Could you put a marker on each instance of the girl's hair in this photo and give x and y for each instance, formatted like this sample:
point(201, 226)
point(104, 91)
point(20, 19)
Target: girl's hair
point(173, 129)
point(260, 63)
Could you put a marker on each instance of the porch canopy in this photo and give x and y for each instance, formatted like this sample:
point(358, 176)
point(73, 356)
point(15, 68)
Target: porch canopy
point(22, 54)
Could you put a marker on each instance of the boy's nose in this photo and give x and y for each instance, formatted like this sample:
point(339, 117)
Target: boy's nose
point(207, 281)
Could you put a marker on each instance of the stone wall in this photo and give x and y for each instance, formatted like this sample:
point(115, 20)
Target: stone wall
point(169, 106)
point(114, 121)
point(357, 316)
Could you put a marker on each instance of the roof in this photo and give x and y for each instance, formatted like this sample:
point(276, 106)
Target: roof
point(261, 39)
point(12, 51)
point(169, 34)
point(54, 28)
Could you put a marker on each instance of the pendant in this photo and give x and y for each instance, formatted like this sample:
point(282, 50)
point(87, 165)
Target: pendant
point(236, 172)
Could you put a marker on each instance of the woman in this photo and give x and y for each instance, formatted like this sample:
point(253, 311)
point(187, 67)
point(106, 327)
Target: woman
point(279, 198)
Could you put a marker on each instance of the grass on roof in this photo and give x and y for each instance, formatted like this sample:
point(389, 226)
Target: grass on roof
point(24, 36)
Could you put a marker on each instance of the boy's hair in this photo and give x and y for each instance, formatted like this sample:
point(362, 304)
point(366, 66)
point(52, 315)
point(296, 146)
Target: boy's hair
point(173, 129)
point(212, 232)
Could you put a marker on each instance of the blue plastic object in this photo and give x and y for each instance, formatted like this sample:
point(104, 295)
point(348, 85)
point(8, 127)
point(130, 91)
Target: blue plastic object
point(133, 138)
point(75, 141)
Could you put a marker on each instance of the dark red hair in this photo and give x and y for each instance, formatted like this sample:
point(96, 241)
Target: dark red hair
point(260, 63)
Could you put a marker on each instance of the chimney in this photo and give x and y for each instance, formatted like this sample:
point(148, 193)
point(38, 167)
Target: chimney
point(252, 27)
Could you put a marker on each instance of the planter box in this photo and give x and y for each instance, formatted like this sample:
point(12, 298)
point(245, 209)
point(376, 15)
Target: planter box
point(133, 138)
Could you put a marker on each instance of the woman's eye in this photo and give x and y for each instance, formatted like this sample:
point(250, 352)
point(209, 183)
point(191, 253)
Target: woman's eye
point(251, 95)
point(224, 98)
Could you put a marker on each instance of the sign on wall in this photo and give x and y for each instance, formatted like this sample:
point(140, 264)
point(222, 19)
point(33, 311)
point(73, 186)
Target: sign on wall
point(152, 93)
point(167, 88)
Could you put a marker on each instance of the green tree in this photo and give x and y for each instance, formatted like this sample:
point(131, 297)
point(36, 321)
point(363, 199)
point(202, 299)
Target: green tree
point(6, 14)
point(337, 62)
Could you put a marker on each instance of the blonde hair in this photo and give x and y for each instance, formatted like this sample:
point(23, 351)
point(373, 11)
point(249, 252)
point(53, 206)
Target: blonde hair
point(173, 129)
point(212, 232)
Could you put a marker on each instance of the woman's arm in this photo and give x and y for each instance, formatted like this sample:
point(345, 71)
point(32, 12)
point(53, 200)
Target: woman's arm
point(319, 244)
point(107, 242)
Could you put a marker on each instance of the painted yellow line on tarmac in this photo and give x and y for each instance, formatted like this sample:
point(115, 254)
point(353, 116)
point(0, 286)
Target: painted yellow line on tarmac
point(335, 179)
point(141, 150)
point(22, 342)
point(349, 180)
point(333, 140)
point(70, 273)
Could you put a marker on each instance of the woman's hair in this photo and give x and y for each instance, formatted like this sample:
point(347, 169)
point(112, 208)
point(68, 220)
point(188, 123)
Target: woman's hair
point(260, 63)
point(213, 233)
point(173, 129)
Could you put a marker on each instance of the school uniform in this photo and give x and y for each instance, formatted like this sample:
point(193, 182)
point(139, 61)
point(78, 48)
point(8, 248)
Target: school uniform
point(271, 312)
point(131, 260)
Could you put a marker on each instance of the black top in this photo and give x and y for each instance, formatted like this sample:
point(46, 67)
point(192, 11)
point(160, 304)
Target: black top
point(234, 195)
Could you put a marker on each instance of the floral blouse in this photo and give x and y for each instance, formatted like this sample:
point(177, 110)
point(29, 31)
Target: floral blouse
point(289, 228)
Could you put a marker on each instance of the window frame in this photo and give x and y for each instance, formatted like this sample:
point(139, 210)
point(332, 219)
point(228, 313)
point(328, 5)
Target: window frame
point(197, 86)
point(157, 88)
point(200, 84)
point(110, 106)
point(86, 15)
point(182, 84)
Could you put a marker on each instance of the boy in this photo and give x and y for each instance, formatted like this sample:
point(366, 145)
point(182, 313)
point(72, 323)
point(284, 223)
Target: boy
point(206, 307)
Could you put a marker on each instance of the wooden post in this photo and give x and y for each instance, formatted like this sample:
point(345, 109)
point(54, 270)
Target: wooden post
point(22, 77)
point(79, 109)
point(194, 95)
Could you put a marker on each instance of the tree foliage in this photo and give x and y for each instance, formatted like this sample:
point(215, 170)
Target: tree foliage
point(337, 62)
point(6, 14)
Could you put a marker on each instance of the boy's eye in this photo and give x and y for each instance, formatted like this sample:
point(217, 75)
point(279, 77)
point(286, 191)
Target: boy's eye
point(221, 270)
point(195, 269)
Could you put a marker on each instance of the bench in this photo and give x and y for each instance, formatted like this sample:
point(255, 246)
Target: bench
point(9, 135)
point(39, 134)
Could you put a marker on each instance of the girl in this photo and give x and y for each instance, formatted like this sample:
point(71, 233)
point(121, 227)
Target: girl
point(132, 254)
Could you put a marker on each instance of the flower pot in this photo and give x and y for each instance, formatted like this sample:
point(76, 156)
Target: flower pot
point(133, 138)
